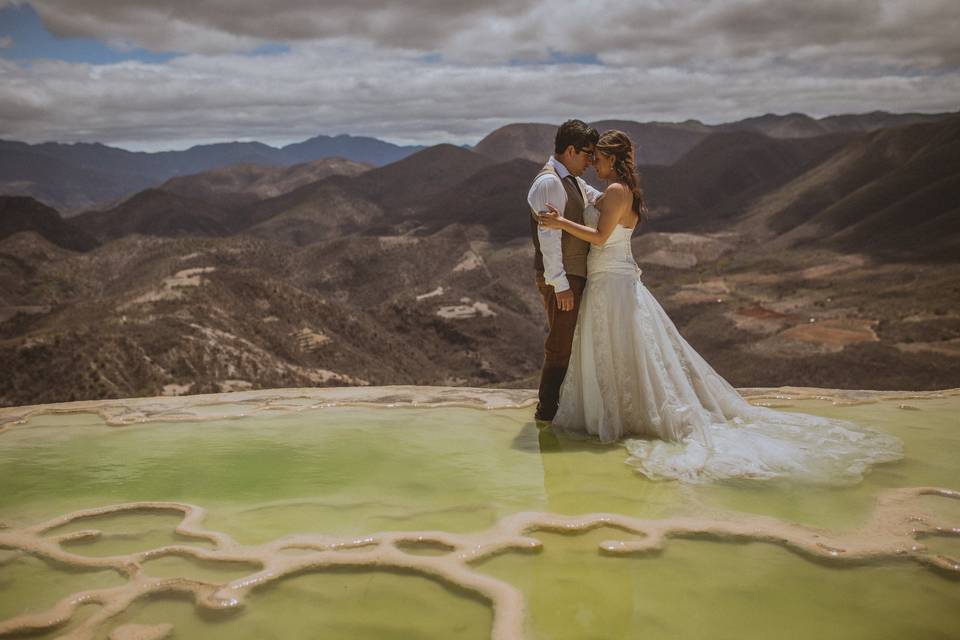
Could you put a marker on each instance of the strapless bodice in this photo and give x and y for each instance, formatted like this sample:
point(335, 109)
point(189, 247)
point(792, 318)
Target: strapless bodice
point(615, 255)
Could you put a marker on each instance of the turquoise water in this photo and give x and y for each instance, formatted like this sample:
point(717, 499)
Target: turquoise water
point(356, 472)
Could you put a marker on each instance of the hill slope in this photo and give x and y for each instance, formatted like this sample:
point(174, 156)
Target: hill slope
point(894, 193)
point(246, 183)
point(18, 214)
point(156, 212)
point(712, 184)
point(385, 200)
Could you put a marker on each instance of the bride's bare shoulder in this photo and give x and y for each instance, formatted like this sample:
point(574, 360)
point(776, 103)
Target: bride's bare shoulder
point(617, 193)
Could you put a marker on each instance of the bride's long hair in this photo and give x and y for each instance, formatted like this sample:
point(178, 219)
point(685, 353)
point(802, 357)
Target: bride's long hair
point(617, 144)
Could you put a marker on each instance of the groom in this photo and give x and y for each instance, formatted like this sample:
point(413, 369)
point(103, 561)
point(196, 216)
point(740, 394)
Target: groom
point(560, 259)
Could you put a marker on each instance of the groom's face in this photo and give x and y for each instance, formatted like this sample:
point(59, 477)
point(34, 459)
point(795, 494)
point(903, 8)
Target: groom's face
point(580, 159)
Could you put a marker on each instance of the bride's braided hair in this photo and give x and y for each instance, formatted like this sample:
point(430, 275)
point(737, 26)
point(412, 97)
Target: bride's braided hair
point(617, 144)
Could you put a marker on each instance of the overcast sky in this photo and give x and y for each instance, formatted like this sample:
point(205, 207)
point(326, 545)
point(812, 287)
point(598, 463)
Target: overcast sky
point(163, 75)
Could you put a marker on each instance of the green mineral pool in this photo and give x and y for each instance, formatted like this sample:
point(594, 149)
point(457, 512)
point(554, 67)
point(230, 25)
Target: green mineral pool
point(404, 512)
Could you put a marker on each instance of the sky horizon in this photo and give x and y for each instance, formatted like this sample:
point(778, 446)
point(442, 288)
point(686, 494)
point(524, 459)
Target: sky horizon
point(159, 145)
point(144, 78)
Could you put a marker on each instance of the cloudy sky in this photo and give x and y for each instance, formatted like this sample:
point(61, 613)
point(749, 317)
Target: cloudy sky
point(163, 75)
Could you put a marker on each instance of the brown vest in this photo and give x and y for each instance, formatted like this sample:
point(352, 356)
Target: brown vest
point(573, 249)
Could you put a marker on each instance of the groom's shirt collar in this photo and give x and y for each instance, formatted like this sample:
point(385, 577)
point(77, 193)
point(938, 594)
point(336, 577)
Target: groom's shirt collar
point(561, 170)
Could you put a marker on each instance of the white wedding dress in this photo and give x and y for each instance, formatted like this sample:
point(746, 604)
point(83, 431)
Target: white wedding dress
point(633, 376)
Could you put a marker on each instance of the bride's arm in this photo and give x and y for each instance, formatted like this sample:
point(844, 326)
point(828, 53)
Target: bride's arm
point(610, 207)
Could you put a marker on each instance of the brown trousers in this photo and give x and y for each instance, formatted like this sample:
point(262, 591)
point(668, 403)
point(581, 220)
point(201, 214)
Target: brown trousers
point(559, 342)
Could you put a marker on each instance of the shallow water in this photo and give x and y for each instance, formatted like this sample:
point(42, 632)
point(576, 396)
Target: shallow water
point(355, 472)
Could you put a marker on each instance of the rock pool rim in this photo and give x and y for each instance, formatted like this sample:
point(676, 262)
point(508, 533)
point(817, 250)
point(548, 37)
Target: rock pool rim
point(240, 404)
point(892, 533)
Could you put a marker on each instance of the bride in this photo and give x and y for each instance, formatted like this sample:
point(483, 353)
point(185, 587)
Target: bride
point(632, 375)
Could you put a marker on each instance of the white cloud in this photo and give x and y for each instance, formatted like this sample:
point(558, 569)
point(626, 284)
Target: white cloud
point(430, 70)
point(912, 31)
point(6, 42)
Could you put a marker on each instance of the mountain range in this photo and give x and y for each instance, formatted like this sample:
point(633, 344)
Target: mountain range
point(74, 177)
point(845, 190)
point(825, 260)
point(663, 143)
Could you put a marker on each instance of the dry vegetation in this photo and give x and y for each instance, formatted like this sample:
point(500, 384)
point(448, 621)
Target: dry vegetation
point(784, 262)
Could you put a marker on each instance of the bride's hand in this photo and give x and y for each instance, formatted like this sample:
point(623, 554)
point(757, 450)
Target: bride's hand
point(551, 218)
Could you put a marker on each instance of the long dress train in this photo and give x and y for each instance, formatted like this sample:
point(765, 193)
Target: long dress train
point(633, 376)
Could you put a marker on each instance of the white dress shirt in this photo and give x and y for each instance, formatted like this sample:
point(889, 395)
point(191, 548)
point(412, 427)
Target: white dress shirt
point(548, 188)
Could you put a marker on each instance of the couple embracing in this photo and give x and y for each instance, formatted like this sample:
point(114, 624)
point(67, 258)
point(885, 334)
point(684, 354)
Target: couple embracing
point(616, 368)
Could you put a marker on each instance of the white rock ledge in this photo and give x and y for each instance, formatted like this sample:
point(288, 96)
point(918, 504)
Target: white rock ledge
point(219, 406)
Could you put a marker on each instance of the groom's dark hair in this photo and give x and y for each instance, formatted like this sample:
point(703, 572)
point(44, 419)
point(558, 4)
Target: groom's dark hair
point(577, 133)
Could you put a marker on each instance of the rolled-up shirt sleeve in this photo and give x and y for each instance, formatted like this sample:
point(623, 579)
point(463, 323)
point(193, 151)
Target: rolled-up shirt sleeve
point(592, 194)
point(548, 189)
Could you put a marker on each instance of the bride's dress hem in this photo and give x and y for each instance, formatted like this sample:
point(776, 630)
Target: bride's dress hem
point(633, 378)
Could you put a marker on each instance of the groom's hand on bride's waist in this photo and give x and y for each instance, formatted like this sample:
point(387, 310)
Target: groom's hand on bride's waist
point(565, 300)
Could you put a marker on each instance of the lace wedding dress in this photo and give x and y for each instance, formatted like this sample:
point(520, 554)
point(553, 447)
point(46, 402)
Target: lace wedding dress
point(632, 375)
